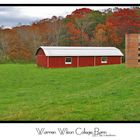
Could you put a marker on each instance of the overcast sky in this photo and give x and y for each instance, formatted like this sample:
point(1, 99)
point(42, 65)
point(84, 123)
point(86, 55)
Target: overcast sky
point(12, 16)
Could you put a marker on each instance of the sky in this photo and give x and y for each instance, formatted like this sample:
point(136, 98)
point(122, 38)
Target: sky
point(13, 16)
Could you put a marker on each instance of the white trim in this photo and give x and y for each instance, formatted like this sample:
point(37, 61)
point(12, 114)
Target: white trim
point(103, 62)
point(68, 62)
point(77, 61)
point(48, 61)
point(94, 60)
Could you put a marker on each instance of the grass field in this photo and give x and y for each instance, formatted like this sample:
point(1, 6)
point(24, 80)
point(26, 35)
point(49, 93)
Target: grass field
point(89, 93)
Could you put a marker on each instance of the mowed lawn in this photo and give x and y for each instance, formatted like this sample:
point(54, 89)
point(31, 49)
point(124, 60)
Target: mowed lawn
point(88, 93)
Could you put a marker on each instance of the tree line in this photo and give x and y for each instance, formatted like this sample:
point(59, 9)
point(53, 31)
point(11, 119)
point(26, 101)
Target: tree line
point(83, 27)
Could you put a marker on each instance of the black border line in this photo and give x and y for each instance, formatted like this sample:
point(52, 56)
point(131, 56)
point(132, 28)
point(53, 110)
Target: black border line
point(77, 4)
point(68, 121)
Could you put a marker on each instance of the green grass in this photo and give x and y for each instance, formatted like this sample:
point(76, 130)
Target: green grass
point(89, 93)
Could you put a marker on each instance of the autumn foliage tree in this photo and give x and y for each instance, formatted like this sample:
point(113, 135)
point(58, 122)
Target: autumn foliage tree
point(106, 35)
point(16, 49)
point(3, 44)
point(77, 26)
point(125, 21)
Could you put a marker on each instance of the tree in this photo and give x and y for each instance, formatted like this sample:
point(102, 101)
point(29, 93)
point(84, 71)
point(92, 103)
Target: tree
point(55, 31)
point(77, 25)
point(95, 17)
point(126, 21)
point(3, 44)
point(106, 35)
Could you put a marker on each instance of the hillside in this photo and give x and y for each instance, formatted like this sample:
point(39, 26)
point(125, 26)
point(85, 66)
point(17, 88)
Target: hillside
point(82, 27)
point(89, 93)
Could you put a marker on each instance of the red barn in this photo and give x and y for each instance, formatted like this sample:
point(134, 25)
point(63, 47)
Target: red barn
point(58, 57)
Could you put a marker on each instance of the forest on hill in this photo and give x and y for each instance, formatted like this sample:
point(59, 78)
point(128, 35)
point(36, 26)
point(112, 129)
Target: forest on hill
point(83, 27)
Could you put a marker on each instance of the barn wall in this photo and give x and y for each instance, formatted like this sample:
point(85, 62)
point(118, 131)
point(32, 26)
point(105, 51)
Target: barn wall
point(41, 59)
point(86, 61)
point(110, 60)
point(59, 62)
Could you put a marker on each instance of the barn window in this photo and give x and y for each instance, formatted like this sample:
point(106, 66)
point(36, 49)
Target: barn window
point(68, 60)
point(103, 59)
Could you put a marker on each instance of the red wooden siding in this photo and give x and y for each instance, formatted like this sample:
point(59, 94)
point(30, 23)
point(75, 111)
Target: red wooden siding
point(86, 61)
point(59, 61)
point(110, 60)
point(41, 59)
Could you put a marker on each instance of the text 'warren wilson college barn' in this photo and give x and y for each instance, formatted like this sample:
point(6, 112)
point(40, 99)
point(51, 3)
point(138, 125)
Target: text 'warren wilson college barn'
point(58, 57)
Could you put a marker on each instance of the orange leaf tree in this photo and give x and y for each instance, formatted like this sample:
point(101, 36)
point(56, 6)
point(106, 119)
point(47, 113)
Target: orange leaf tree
point(106, 35)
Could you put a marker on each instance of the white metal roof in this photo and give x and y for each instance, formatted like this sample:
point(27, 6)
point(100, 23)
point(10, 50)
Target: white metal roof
point(81, 51)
